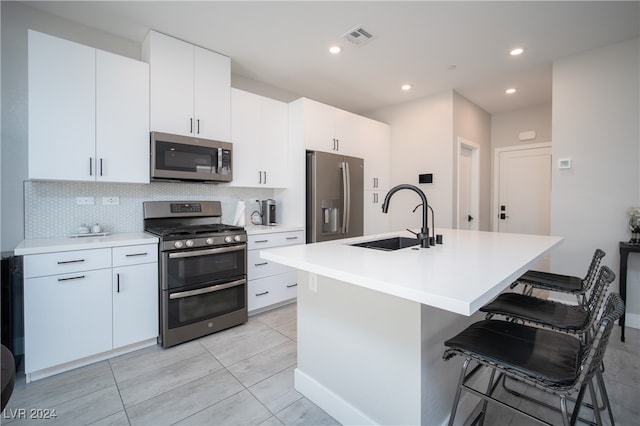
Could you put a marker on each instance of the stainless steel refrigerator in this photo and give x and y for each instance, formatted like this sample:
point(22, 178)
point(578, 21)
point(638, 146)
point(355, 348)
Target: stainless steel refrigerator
point(335, 186)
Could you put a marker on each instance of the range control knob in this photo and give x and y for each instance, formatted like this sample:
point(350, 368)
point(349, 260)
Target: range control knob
point(209, 241)
point(178, 244)
point(189, 243)
point(228, 239)
point(237, 238)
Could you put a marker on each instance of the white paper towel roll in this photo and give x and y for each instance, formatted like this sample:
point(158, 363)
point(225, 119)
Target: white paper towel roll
point(239, 218)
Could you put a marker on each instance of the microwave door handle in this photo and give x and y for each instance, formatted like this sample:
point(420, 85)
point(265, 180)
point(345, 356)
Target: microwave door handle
point(183, 294)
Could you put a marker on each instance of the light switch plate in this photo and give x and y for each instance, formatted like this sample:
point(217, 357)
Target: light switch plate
point(313, 282)
point(564, 163)
point(84, 201)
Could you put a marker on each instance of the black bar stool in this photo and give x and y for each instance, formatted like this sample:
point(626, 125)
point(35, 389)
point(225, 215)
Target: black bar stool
point(555, 362)
point(576, 319)
point(561, 283)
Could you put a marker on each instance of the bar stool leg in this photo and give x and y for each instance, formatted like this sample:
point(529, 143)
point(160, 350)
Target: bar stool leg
point(594, 398)
point(605, 396)
point(458, 391)
point(483, 413)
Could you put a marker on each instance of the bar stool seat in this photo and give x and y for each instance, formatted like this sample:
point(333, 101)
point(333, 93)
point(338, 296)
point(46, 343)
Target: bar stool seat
point(561, 283)
point(533, 309)
point(576, 319)
point(544, 355)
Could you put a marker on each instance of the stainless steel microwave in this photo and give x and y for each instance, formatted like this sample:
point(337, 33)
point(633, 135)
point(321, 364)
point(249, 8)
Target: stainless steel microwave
point(184, 158)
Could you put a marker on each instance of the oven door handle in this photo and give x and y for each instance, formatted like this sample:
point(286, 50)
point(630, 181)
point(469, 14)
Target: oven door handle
point(219, 250)
point(183, 294)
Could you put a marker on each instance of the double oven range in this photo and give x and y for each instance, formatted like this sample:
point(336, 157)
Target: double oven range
point(202, 269)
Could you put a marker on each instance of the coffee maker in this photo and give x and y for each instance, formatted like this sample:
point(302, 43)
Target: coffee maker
point(268, 211)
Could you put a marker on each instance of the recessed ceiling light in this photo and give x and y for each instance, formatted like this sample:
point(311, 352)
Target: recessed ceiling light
point(517, 51)
point(510, 90)
point(405, 87)
point(335, 50)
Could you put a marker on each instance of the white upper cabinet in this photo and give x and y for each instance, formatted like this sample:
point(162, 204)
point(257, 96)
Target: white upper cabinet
point(259, 132)
point(375, 143)
point(62, 102)
point(122, 127)
point(329, 129)
point(88, 113)
point(190, 88)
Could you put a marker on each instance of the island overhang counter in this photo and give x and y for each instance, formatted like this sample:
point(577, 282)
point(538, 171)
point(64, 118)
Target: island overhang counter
point(371, 323)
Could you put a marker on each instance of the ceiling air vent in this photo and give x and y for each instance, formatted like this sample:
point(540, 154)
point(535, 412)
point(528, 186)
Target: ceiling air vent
point(358, 36)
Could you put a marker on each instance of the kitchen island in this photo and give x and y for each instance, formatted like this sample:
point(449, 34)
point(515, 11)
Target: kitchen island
point(371, 323)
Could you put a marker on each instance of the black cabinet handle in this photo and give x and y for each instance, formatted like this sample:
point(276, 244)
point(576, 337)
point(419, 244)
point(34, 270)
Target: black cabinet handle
point(118, 280)
point(292, 285)
point(79, 277)
point(262, 294)
point(64, 262)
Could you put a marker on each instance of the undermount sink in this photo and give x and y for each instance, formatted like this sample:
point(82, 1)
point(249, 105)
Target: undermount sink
point(389, 244)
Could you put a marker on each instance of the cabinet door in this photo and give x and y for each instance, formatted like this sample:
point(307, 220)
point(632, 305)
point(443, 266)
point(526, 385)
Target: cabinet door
point(66, 317)
point(375, 222)
point(246, 136)
point(172, 83)
point(375, 146)
point(61, 80)
point(275, 146)
point(319, 128)
point(212, 96)
point(122, 125)
point(271, 290)
point(135, 303)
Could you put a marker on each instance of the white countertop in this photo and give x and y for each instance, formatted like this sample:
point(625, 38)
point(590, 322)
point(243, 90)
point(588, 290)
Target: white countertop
point(264, 229)
point(49, 245)
point(460, 276)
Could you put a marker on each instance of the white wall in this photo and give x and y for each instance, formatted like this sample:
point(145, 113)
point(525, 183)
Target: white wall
point(424, 138)
point(421, 142)
point(473, 124)
point(506, 126)
point(596, 123)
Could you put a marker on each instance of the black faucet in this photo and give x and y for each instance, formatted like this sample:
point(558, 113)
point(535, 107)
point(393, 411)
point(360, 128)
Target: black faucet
point(423, 236)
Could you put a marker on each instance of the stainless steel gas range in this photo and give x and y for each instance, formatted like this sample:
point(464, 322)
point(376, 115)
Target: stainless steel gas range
point(202, 269)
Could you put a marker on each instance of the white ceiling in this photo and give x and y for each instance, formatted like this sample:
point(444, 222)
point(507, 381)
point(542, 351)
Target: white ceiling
point(284, 44)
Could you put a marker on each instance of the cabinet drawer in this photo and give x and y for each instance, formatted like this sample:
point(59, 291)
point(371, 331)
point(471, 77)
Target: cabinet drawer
point(39, 265)
point(271, 290)
point(133, 255)
point(275, 240)
point(259, 268)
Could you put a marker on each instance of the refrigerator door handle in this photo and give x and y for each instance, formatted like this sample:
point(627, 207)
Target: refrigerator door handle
point(346, 201)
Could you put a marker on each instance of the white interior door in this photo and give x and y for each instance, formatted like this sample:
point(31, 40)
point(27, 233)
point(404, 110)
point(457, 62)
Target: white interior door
point(468, 184)
point(524, 190)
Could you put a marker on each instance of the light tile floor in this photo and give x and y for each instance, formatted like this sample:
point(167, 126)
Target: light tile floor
point(243, 376)
point(240, 376)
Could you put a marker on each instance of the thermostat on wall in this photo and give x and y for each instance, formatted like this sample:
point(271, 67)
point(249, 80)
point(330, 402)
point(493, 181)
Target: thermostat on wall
point(564, 163)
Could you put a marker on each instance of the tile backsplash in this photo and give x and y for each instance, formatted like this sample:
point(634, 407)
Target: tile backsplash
point(51, 210)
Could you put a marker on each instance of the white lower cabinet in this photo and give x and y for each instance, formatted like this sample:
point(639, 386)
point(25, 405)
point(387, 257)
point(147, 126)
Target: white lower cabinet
point(270, 284)
point(135, 294)
point(84, 303)
point(66, 317)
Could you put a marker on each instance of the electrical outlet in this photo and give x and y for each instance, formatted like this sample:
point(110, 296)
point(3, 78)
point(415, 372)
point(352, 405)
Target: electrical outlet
point(110, 201)
point(313, 282)
point(84, 201)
